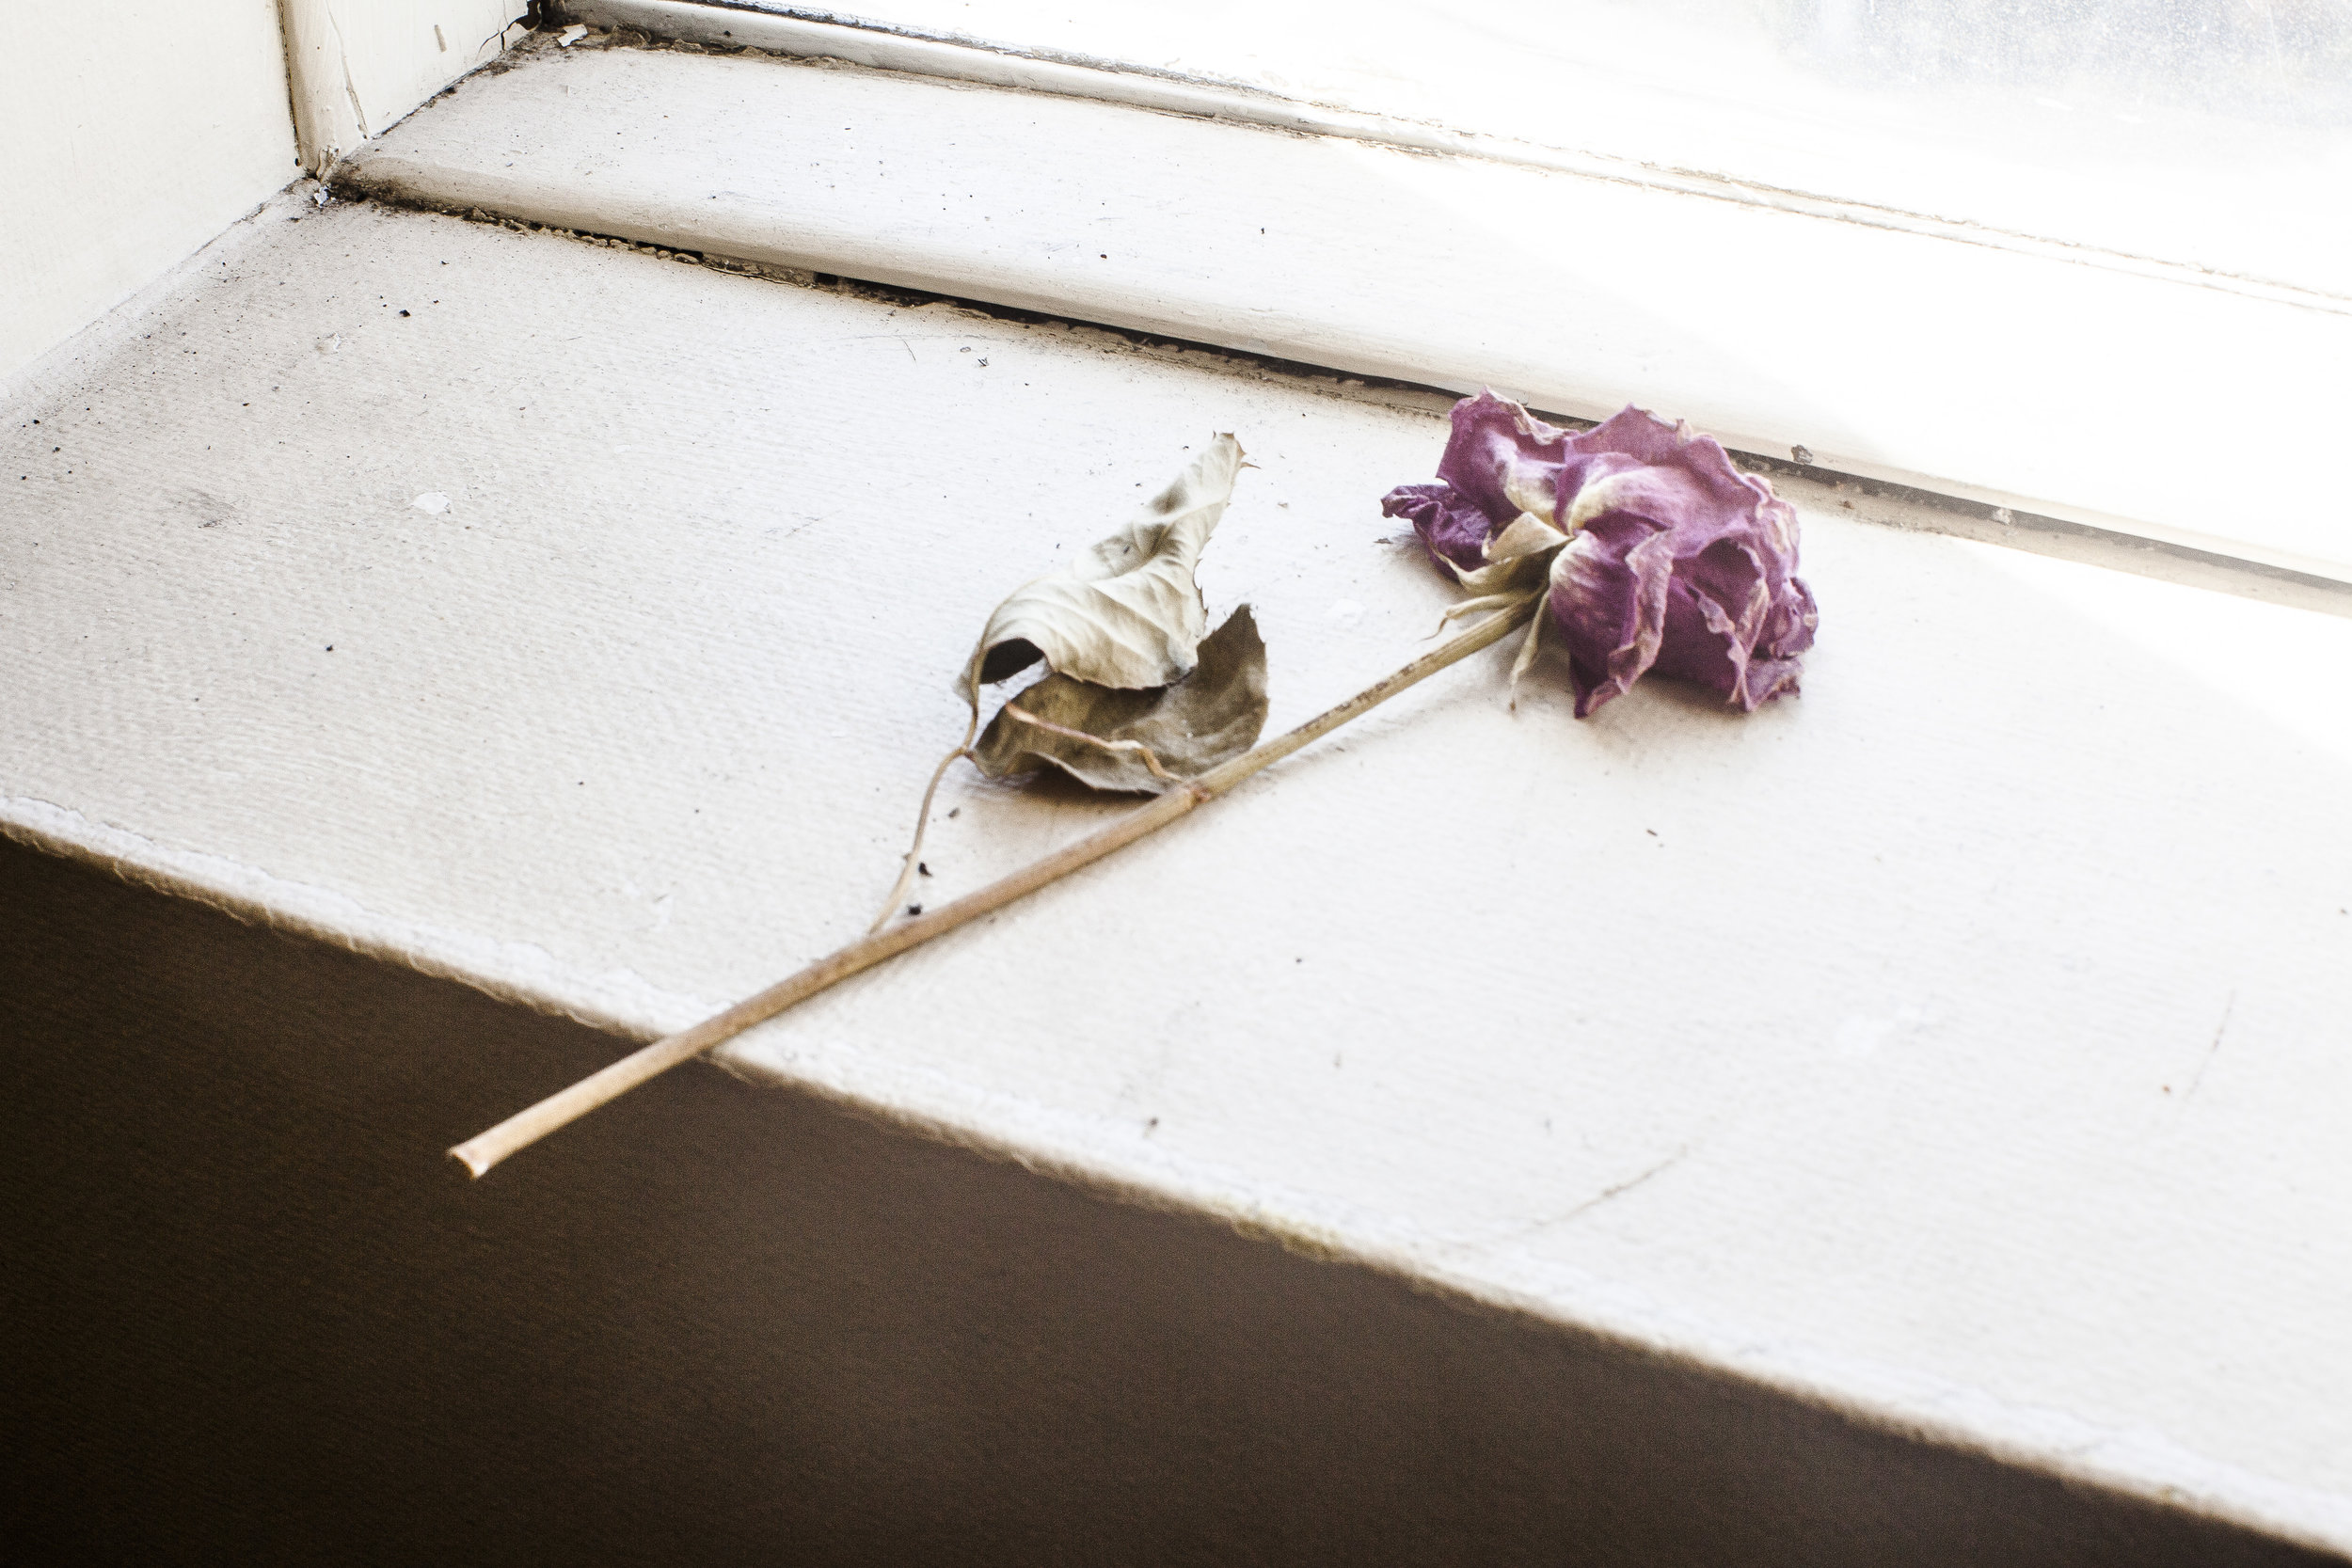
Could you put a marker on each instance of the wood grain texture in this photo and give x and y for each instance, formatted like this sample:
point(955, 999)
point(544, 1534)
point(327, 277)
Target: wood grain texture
point(1962, 1043)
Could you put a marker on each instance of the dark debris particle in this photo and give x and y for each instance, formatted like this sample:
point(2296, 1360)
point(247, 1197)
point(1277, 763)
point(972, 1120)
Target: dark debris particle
point(404, 312)
point(915, 908)
point(330, 647)
point(924, 869)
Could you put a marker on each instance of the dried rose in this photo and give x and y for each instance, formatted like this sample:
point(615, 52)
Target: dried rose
point(1662, 556)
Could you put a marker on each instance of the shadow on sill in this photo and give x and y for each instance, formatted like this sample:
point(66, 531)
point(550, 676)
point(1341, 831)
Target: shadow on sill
point(254, 1315)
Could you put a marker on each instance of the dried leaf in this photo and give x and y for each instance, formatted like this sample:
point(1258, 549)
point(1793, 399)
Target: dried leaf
point(1126, 613)
point(1111, 739)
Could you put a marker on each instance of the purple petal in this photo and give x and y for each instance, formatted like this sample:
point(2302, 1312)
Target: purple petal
point(1790, 631)
point(1449, 527)
point(1710, 618)
point(1503, 459)
point(1609, 600)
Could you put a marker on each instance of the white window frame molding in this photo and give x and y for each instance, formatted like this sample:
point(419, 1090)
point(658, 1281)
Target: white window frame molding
point(2269, 529)
point(354, 73)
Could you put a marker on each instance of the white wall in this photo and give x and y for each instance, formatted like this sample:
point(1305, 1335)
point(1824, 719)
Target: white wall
point(134, 131)
point(131, 132)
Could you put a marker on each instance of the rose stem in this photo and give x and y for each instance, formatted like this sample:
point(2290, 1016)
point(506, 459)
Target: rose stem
point(922, 820)
point(522, 1130)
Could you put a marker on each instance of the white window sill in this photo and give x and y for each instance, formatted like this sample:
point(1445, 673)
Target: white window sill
point(1958, 1044)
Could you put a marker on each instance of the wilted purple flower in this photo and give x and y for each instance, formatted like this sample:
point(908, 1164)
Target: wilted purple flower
point(1673, 559)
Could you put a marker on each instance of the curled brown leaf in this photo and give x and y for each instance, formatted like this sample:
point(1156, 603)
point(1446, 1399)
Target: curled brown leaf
point(1145, 741)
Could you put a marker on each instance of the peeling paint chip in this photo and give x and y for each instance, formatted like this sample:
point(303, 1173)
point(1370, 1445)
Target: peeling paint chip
point(571, 35)
point(433, 502)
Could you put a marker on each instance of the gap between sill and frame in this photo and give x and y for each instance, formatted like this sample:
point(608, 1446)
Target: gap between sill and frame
point(825, 35)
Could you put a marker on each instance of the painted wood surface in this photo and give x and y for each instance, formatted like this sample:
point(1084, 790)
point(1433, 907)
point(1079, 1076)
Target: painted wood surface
point(358, 69)
point(1962, 1042)
point(2122, 400)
